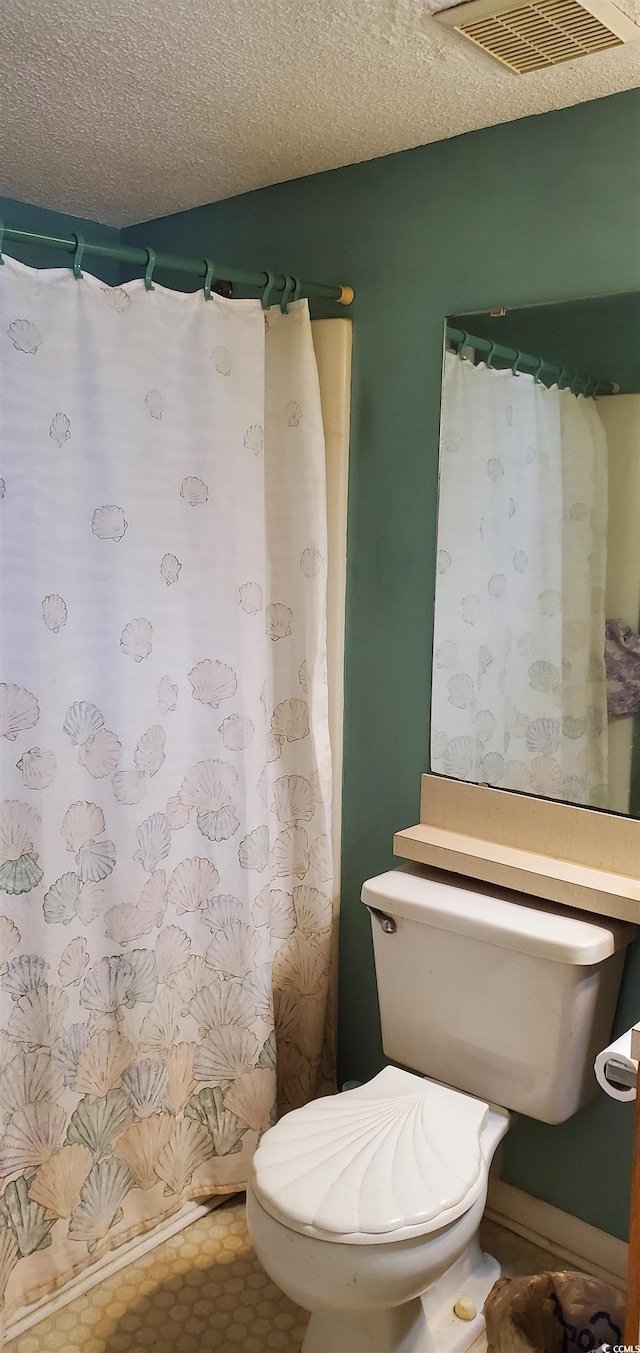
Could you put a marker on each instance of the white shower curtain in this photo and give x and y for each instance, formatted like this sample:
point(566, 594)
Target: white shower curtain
point(165, 860)
point(519, 690)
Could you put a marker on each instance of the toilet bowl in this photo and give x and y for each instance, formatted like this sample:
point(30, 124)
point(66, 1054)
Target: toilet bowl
point(364, 1208)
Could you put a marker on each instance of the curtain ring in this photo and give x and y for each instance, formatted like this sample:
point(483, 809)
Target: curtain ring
point(208, 279)
point(77, 257)
point(287, 293)
point(462, 345)
point(516, 363)
point(297, 289)
point(148, 276)
point(488, 361)
point(536, 374)
point(266, 295)
point(1, 240)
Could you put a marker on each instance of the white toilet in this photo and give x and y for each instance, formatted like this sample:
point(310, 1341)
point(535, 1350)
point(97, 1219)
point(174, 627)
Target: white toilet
point(364, 1207)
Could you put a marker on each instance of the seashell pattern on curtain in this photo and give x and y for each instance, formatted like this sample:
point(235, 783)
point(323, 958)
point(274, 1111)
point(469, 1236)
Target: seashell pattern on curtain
point(165, 857)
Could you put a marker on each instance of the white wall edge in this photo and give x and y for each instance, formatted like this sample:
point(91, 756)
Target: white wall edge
point(111, 1263)
point(573, 1240)
point(332, 341)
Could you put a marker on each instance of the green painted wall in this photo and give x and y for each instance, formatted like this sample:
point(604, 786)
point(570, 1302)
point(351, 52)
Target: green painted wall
point(514, 215)
point(22, 216)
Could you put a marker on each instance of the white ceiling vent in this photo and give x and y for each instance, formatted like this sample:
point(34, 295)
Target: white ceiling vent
point(541, 33)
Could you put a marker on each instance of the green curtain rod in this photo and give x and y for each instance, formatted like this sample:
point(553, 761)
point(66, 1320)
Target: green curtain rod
point(266, 282)
point(566, 378)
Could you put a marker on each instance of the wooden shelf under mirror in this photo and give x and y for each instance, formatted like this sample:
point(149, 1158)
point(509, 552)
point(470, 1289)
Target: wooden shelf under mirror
point(578, 857)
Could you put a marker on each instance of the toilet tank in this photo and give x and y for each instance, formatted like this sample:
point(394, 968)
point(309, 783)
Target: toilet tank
point(496, 993)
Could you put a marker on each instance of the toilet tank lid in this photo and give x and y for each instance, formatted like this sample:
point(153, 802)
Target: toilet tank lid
point(510, 920)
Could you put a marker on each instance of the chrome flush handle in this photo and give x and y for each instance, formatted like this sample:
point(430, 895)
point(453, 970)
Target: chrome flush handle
point(385, 922)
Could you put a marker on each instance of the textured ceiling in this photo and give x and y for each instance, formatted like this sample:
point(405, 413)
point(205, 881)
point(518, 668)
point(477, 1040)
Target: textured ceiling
point(123, 110)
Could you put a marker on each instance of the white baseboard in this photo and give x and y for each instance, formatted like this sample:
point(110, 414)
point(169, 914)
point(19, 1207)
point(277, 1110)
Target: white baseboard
point(573, 1240)
point(112, 1262)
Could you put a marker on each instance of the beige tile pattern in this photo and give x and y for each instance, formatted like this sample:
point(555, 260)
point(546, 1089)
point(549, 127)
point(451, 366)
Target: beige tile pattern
point(204, 1289)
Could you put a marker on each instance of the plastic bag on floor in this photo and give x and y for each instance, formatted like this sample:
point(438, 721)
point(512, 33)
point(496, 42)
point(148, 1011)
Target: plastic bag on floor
point(553, 1313)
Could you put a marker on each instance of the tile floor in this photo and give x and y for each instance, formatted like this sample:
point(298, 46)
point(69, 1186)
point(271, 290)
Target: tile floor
point(204, 1289)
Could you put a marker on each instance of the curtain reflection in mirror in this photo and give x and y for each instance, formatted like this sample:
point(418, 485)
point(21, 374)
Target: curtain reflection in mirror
point(519, 684)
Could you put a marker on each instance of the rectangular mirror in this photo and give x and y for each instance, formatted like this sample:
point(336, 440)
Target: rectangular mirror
point(536, 666)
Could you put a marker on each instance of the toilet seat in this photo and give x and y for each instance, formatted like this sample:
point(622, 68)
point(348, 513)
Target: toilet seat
point(396, 1158)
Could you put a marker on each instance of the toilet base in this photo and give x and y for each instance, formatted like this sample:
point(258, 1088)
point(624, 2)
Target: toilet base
point(401, 1330)
point(426, 1325)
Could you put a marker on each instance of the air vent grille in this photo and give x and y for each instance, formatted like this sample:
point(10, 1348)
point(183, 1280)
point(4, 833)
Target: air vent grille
point(544, 33)
point(540, 35)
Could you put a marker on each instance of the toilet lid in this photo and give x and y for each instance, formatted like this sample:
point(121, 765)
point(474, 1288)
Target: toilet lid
point(397, 1157)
